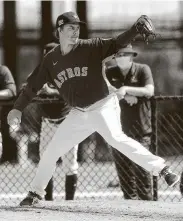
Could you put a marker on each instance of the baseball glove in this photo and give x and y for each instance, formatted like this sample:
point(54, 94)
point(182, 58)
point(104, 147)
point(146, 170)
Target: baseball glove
point(145, 28)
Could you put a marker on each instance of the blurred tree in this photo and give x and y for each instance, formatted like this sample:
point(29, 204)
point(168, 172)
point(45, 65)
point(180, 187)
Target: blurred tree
point(81, 8)
point(46, 26)
point(10, 36)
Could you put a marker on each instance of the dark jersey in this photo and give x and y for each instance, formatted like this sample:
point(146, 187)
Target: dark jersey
point(56, 110)
point(136, 119)
point(78, 74)
point(53, 110)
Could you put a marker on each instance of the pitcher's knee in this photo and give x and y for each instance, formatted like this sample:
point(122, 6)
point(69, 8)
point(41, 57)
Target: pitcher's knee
point(48, 159)
point(119, 138)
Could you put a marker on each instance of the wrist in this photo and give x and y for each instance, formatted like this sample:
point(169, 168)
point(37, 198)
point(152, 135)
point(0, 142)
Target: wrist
point(125, 88)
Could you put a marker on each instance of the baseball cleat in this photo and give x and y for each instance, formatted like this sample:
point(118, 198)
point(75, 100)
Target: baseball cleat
point(171, 178)
point(31, 199)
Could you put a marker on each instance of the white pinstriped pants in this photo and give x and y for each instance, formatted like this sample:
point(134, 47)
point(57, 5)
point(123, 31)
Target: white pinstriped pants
point(103, 117)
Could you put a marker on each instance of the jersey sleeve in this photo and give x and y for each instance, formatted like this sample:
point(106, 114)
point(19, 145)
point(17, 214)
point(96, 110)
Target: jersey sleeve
point(34, 83)
point(107, 47)
point(7, 80)
point(146, 76)
point(110, 46)
point(125, 38)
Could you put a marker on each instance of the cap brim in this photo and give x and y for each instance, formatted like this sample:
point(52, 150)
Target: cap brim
point(128, 51)
point(80, 23)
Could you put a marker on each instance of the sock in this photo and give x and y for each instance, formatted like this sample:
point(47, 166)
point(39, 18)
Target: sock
point(70, 186)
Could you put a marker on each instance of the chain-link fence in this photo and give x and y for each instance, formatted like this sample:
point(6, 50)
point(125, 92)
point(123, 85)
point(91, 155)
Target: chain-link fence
point(168, 139)
point(97, 174)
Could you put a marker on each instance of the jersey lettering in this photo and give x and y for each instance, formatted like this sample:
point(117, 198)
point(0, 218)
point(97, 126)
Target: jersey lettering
point(70, 73)
point(60, 77)
point(77, 71)
point(63, 73)
point(84, 71)
point(58, 83)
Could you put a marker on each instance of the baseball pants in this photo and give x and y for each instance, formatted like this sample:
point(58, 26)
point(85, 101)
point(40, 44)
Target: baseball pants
point(104, 118)
point(69, 160)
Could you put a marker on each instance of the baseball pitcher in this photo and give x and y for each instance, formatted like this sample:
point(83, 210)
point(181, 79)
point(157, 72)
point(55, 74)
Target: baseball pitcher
point(75, 69)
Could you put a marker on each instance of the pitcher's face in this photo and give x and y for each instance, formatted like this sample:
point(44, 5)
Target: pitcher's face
point(69, 33)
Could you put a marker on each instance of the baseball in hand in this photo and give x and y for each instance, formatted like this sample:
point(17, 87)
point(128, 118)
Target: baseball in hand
point(16, 121)
point(14, 117)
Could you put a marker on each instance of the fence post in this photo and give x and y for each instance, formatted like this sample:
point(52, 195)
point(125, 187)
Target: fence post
point(154, 142)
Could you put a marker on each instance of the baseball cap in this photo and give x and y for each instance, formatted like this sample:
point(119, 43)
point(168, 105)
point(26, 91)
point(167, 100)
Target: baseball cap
point(68, 18)
point(127, 49)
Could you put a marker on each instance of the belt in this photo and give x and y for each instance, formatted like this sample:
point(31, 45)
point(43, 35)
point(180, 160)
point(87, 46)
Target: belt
point(95, 104)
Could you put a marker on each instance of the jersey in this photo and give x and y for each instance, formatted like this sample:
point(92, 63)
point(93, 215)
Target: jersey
point(58, 110)
point(78, 74)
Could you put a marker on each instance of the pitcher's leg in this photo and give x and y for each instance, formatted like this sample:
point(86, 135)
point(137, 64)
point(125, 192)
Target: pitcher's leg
point(46, 133)
point(68, 134)
point(109, 126)
point(144, 158)
point(138, 154)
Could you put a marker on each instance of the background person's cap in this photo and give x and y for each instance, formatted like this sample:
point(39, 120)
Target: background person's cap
point(127, 49)
point(68, 18)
